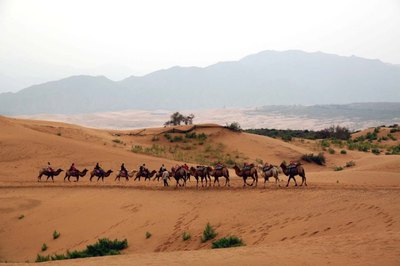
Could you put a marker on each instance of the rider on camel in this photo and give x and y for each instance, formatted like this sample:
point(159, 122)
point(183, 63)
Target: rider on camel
point(99, 169)
point(162, 169)
point(49, 168)
point(143, 169)
point(123, 169)
point(73, 168)
point(219, 165)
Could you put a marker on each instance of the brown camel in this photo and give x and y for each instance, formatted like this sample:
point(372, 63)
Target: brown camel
point(76, 174)
point(217, 173)
point(293, 171)
point(247, 172)
point(202, 172)
point(180, 173)
point(146, 174)
point(49, 174)
point(125, 174)
point(100, 174)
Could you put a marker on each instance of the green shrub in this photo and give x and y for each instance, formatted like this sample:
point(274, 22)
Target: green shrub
point(168, 136)
point(331, 151)
point(350, 164)
point(117, 141)
point(177, 139)
point(186, 236)
point(392, 137)
point(311, 158)
point(208, 233)
point(325, 143)
point(376, 151)
point(44, 247)
point(40, 258)
point(394, 130)
point(202, 137)
point(286, 137)
point(395, 150)
point(148, 235)
point(137, 149)
point(191, 135)
point(56, 234)
point(343, 152)
point(103, 247)
point(338, 168)
point(227, 242)
point(234, 126)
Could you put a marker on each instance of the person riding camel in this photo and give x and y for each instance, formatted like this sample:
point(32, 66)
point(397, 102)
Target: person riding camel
point(99, 169)
point(73, 168)
point(219, 166)
point(185, 166)
point(123, 169)
point(162, 169)
point(49, 168)
point(143, 169)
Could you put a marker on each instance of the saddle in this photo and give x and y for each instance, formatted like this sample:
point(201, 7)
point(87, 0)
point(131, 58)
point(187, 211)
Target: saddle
point(218, 167)
point(247, 167)
point(267, 168)
point(73, 172)
point(200, 167)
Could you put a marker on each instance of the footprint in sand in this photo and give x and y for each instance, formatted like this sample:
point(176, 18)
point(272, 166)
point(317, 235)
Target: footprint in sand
point(327, 229)
point(314, 233)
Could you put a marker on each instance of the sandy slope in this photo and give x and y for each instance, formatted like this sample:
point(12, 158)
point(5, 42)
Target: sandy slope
point(346, 217)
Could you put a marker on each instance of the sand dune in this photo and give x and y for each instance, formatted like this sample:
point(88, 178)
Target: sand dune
point(346, 217)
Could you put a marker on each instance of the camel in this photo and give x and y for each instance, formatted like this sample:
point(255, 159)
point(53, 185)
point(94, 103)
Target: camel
point(49, 174)
point(125, 174)
point(99, 174)
point(203, 173)
point(292, 172)
point(180, 173)
point(217, 173)
point(272, 171)
point(147, 175)
point(245, 173)
point(76, 174)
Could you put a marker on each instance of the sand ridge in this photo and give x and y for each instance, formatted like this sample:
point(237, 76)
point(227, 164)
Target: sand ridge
point(346, 217)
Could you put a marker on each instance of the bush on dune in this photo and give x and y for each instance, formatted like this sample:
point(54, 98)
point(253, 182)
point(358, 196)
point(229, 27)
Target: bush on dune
point(103, 247)
point(227, 242)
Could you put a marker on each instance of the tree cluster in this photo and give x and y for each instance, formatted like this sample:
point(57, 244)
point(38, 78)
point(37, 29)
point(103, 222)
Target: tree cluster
point(177, 118)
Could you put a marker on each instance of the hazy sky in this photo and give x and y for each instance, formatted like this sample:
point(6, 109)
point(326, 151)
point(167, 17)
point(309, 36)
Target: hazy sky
point(45, 39)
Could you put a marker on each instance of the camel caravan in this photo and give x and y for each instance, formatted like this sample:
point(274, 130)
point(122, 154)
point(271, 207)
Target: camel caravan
point(182, 173)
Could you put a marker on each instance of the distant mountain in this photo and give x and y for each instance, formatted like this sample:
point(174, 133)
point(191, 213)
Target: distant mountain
point(266, 78)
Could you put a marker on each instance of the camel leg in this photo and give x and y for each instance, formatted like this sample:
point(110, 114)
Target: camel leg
point(227, 181)
point(288, 181)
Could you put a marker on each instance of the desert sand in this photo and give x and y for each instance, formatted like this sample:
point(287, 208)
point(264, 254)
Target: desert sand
point(348, 217)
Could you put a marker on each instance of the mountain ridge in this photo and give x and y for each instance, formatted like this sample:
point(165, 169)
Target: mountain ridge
point(265, 78)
